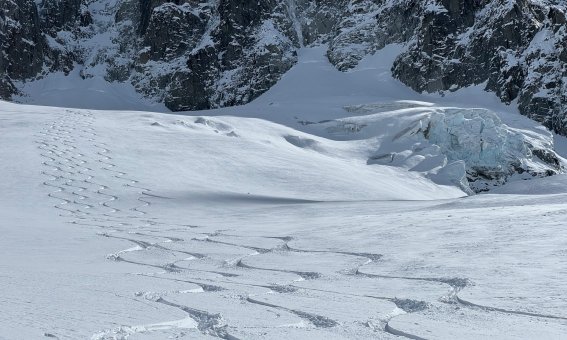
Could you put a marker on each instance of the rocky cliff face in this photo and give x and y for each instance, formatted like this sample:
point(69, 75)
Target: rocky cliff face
point(516, 48)
point(202, 54)
point(189, 54)
point(21, 43)
point(225, 53)
point(366, 26)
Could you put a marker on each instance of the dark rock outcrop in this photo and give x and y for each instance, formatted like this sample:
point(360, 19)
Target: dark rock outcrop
point(516, 48)
point(21, 44)
point(230, 53)
point(367, 26)
point(57, 15)
point(204, 54)
point(189, 54)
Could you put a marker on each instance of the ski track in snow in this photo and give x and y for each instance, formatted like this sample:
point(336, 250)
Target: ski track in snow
point(88, 187)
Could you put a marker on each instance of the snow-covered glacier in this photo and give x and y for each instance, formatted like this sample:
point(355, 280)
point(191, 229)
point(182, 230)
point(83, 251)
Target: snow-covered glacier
point(337, 205)
point(141, 225)
point(427, 138)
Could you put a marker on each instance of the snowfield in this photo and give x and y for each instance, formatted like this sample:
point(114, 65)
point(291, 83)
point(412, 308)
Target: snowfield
point(281, 219)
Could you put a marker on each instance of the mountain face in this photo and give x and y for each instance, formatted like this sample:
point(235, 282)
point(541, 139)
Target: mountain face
point(21, 43)
point(204, 54)
point(517, 48)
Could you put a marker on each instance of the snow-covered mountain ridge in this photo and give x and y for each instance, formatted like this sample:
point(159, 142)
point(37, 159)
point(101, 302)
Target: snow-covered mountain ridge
point(206, 54)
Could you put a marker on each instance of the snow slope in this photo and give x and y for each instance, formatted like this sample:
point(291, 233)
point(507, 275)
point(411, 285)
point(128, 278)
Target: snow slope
point(59, 90)
point(247, 229)
point(253, 223)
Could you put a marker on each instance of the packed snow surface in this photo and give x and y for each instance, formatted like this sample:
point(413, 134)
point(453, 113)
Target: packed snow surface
point(277, 220)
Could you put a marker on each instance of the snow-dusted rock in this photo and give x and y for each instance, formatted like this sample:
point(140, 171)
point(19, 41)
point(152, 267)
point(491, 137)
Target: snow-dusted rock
point(213, 54)
point(190, 55)
point(21, 43)
point(367, 26)
point(517, 48)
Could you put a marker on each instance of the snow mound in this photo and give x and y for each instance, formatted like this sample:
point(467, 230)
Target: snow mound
point(493, 152)
point(468, 147)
